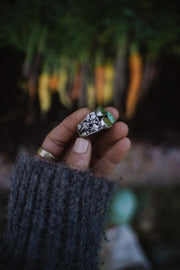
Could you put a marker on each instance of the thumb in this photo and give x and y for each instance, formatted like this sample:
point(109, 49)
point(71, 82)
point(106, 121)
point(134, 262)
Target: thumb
point(80, 155)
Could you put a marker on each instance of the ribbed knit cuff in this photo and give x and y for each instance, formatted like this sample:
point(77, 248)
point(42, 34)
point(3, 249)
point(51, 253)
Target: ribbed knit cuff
point(56, 216)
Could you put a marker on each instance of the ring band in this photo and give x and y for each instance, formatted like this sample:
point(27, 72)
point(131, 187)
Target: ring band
point(45, 154)
point(95, 122)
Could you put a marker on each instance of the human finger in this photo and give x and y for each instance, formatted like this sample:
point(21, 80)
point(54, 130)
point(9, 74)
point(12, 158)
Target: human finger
point(60, 137)
point(106, 140)
point(113, 111)
point(113, 156)
point(80, 155)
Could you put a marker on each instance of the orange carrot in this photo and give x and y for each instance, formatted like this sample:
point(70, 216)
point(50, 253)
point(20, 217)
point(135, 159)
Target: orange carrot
point(135, 66)
point(53, 83)
point(99, 84)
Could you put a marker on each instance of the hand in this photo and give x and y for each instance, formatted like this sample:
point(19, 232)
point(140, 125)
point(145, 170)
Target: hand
point(100, 152)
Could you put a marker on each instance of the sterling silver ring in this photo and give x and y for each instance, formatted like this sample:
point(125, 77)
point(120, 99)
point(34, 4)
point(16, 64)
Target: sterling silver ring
point(95, 122)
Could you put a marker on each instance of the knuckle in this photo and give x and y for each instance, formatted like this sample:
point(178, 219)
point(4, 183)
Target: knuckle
point(123, 128)
point(55, 141)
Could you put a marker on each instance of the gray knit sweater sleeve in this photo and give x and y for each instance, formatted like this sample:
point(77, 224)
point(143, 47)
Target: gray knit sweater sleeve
point(55, 218)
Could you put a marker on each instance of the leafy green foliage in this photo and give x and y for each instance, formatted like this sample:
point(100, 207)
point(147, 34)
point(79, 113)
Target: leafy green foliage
point(77, 28)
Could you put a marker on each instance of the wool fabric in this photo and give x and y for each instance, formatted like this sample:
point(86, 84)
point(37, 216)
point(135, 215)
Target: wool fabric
point(55, 217)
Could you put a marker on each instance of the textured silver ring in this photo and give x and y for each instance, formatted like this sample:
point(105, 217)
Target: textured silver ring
point(95, 122)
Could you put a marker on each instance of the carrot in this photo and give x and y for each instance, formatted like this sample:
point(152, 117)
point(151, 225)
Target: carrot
point(91, 101)
point(108, 85)
point(135, 67)
point(99, 84)
point(44, 93)
point(32, 87)
point(32, 105)
point(53, 83)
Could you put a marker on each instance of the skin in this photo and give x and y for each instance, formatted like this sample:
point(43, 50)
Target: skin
point(104, 152)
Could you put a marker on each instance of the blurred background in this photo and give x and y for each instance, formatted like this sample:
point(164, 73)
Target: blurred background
point(57, 56)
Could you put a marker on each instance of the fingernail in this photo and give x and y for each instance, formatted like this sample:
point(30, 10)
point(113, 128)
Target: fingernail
point(80, 146)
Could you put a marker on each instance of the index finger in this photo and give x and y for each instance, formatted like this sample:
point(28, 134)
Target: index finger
point(56, 141)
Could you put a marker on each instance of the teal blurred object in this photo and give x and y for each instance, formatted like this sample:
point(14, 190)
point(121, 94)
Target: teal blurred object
point(123, 207)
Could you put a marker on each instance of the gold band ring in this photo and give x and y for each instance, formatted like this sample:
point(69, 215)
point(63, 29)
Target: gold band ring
point(46, 155)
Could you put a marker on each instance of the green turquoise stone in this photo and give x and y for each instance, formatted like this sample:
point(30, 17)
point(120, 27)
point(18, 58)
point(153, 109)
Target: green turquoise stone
point(107, 123)
point(110, 117)
point(102, 110)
